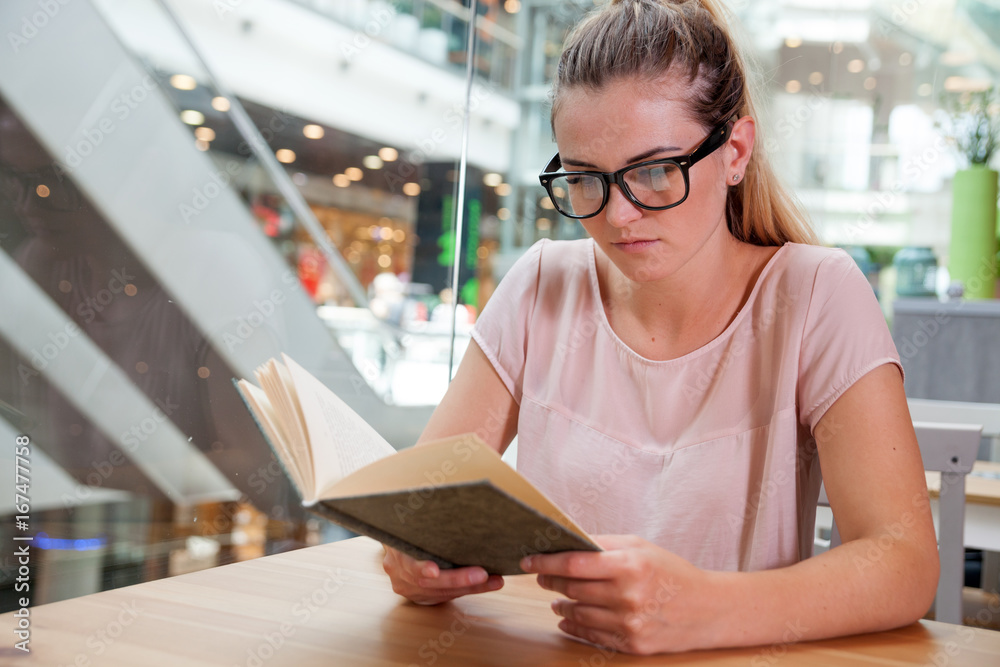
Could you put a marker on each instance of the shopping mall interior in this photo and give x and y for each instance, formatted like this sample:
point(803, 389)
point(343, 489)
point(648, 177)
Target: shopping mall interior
point(218, 182)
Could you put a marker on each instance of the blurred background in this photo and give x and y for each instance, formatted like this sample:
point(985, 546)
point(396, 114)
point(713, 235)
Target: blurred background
point(193, 186)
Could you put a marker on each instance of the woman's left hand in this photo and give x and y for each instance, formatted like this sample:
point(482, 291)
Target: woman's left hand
point(634, 597)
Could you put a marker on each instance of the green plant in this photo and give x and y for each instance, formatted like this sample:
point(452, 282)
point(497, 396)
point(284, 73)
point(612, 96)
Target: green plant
point(973, 123)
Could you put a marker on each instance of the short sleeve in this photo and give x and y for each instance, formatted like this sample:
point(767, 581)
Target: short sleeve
point(844, 337)
point(502, 328)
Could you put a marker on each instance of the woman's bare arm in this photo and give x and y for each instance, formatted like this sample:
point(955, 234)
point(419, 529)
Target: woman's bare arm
point(477, 401)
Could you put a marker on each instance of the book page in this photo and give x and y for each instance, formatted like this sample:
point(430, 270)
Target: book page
point(341, 441)
point(264, 413)
point(455, 460)
point(277, 384)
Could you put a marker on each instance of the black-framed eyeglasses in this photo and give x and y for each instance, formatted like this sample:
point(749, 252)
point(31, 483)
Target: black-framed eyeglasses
point(655, 185)
point(46, 186)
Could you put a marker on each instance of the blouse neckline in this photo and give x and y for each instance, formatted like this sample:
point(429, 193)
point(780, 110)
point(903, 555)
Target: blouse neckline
point(595, 288)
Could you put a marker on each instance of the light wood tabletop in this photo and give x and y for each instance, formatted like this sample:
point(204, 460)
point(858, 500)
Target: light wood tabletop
point(982, 485)
point(332, 605)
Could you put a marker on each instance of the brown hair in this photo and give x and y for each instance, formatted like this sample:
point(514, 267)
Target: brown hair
point(649, 39)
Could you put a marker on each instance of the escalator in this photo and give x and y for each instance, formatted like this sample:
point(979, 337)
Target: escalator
point(135, 284)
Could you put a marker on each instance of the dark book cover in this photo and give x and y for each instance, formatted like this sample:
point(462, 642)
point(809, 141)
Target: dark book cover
point(455, 525)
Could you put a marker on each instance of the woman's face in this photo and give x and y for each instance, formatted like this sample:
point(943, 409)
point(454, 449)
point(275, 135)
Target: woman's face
point(631, 121)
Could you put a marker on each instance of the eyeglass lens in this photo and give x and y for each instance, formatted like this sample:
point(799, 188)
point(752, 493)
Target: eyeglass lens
point(652, 185)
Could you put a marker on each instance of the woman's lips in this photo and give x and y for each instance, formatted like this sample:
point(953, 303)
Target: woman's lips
point(635, 246)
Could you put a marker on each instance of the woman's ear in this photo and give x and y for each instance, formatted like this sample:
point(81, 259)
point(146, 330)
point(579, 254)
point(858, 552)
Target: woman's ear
point(740, 146)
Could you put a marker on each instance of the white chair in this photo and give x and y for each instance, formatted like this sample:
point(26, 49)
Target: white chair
point(951, 450)
point(960, 412)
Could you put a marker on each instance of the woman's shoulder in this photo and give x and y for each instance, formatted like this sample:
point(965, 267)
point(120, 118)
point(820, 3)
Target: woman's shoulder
point(812, 266)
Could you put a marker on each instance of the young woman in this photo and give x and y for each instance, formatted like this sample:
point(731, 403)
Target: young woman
point(677, 380)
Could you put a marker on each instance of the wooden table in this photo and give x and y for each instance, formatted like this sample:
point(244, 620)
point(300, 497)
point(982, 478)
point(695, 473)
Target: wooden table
point(332, 605)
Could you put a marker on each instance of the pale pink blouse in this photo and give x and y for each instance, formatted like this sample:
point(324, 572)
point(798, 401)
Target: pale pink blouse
point(709, 455)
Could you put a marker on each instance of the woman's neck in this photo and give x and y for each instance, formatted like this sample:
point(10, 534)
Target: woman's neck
point(681, 312)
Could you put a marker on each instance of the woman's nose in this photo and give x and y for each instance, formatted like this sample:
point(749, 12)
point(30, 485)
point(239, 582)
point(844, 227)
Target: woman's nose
point(620, 210)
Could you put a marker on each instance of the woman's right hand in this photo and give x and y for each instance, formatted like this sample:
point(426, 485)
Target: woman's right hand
point(423, 582)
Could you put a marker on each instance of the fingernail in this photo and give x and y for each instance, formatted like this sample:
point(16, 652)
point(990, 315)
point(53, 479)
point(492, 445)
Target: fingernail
point(526, 563)
point(427, 571)
point(556, 607)
point(478, 577)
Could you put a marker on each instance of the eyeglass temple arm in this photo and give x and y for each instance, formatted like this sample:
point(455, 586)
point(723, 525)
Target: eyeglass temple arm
point(717, 138)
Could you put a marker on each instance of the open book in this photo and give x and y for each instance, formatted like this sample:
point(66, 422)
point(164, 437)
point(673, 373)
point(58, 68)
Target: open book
point(453, 501)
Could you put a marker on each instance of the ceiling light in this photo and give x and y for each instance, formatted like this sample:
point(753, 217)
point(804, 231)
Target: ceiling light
point(183, 82)
point(372, 162)
point(313, 131)
point(205, 133)
point(856, 66)
point(192, 117)
point(492, 179)
point(411, 189)
point(793, 86)
point(503, 189)
point(341, 181)
point(220, 104)
point(354, 173)
point(388, 154)
point(793, 42)
point(816, 78)
point(285, 155)
point(870, 83)
point(512, 6)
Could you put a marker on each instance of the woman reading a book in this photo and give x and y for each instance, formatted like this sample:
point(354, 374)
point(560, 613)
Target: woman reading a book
point(677, 379)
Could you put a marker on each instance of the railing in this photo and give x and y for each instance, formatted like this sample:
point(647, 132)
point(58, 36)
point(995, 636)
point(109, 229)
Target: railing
point(431, 30)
